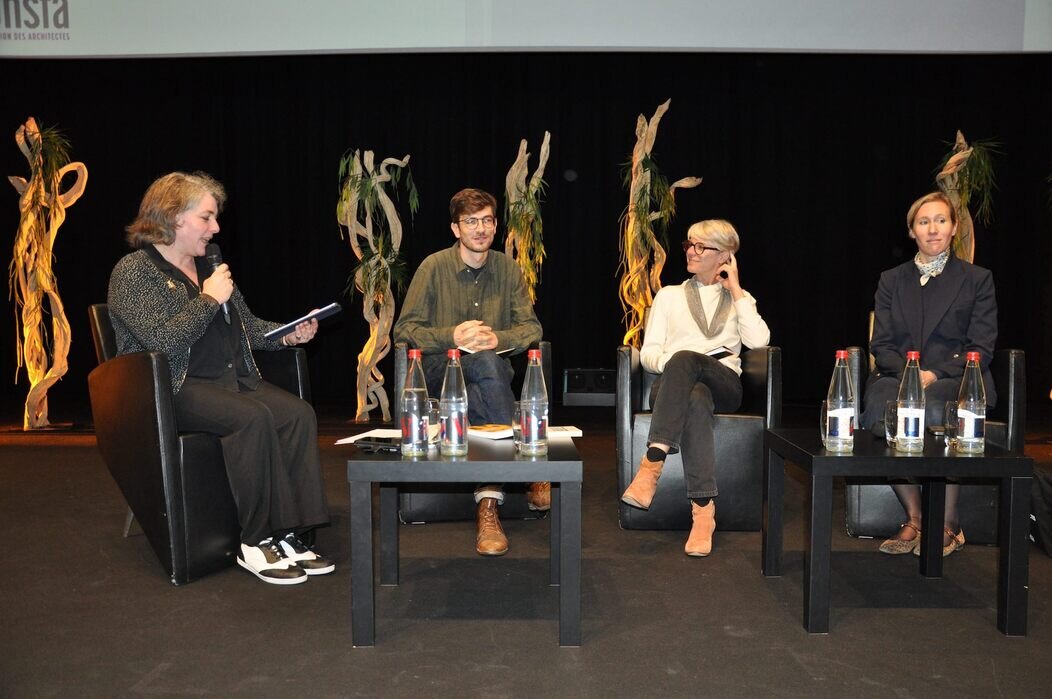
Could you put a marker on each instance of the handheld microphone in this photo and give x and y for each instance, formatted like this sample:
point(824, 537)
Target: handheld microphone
point(215, 258)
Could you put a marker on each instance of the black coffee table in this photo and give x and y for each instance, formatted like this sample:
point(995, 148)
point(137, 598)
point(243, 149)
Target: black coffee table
point(873, 458)
point(487, 461)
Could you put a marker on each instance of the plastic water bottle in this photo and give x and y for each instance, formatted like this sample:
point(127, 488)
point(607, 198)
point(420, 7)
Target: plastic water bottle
point(415, 410)
point(534, 409)
point(971, 408)
point(453, 408)
point(840, 408)
point(910, 433)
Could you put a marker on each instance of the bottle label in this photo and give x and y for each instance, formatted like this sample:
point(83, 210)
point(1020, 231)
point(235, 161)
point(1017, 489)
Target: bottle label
point(454, 428)
point(970, 425)
point(840, 422)
point(911, 423)
point(414, 428)
point(534, 427)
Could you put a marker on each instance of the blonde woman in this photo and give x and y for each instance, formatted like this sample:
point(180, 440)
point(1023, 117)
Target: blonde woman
point(694, 336)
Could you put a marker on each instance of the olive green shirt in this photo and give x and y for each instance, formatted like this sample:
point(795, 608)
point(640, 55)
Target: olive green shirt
point(444, 293)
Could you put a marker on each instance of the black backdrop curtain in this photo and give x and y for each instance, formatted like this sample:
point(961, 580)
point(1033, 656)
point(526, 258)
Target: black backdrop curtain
point(814, 158)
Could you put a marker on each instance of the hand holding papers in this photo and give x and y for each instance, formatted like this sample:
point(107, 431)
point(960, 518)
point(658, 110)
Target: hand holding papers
point(331, 309)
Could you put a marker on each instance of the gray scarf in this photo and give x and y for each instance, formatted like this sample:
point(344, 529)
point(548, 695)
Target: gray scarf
point(697, 310)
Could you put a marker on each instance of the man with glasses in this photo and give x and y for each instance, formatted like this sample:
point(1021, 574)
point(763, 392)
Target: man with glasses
point(474, 298)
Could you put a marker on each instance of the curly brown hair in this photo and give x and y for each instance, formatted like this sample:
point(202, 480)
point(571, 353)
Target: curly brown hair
point(169, 196)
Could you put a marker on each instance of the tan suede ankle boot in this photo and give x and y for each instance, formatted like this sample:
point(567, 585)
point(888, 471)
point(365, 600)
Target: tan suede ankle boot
point(699, 543)
point(641, 491)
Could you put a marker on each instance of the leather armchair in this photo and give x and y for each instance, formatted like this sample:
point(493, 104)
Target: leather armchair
point(739, 445)
point(873, 510)
point(175, 483)
point(453, 502)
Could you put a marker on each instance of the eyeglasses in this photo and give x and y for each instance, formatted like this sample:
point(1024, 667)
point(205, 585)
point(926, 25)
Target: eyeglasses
point(699, 248)
point(473, 221)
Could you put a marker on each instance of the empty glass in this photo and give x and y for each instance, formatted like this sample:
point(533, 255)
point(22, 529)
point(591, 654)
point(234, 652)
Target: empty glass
point(516, 424)
point(950, 420)
point(891, 421)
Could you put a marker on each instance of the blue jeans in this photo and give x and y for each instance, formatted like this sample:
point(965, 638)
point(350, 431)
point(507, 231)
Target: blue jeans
point(683, 402)
point(490, 399)
point(488, 376)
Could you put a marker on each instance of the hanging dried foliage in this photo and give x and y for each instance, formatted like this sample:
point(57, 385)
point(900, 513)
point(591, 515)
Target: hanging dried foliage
point(374, 232)
point(522, 215)
point(966, 176)
point(42, 210)
point(644, 226)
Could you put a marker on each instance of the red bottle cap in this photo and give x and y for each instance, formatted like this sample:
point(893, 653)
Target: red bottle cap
point(913, 354)
point(972, 356)
point(533, 354)
point(841, 354)
point(453, 353)
point(414, 354)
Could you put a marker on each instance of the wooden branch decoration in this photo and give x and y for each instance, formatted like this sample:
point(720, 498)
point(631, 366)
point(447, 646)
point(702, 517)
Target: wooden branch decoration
point(948, 181)
point(363, 194)
point(522, 214)
point(967, 177)
point(642, 253)
point(42, 210)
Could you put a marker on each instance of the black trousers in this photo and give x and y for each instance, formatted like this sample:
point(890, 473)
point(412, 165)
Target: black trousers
point(884, 388)
point(683, 401)
point(270, 445)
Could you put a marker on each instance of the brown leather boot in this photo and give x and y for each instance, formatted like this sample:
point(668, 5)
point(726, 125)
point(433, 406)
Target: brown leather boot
point(641, 491)
point(539, 496)
point(490, 539)
point(699, 543)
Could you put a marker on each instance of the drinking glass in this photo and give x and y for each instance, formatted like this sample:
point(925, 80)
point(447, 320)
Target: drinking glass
point(435, 425)
point(516, 424)
point(950, 420)
point(891, 421)
point(823, 416)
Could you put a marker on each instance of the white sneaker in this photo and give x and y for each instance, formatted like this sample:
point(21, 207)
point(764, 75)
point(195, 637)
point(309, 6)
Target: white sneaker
point(268, 563)
point(298, 552)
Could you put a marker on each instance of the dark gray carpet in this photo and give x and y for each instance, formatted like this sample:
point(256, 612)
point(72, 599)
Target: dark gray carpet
point(87, 613)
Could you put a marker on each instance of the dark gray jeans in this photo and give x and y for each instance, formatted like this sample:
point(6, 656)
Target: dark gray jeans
point(683, 401)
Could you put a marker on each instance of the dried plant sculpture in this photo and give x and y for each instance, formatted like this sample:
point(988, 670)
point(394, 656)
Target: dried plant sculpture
point(966, 174)
point(374, 232)
point(42, 210)
point(522, 215)
point(644, 225)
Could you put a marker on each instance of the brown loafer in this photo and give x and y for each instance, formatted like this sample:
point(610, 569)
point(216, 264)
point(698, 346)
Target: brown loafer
point(489, 539)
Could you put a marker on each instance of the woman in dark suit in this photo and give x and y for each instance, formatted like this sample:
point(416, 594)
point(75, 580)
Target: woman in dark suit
point(943, 307)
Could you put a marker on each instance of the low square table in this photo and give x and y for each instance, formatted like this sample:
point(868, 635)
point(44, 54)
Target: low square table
point(487, 461)
point(873, 458)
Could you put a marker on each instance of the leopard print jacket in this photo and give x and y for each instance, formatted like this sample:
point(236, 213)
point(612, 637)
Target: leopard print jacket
point(151, 311)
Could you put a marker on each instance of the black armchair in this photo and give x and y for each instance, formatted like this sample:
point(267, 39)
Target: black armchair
point(873, 510)
point(175, 484)
point(739, 445)
point(452, 502)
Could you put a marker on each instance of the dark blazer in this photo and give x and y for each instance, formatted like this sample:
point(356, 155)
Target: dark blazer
point(962, 317)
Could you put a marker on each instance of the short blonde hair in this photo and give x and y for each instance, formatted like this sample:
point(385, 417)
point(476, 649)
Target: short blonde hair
point(717, 232)
point(911, 215)
point(169, 196)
